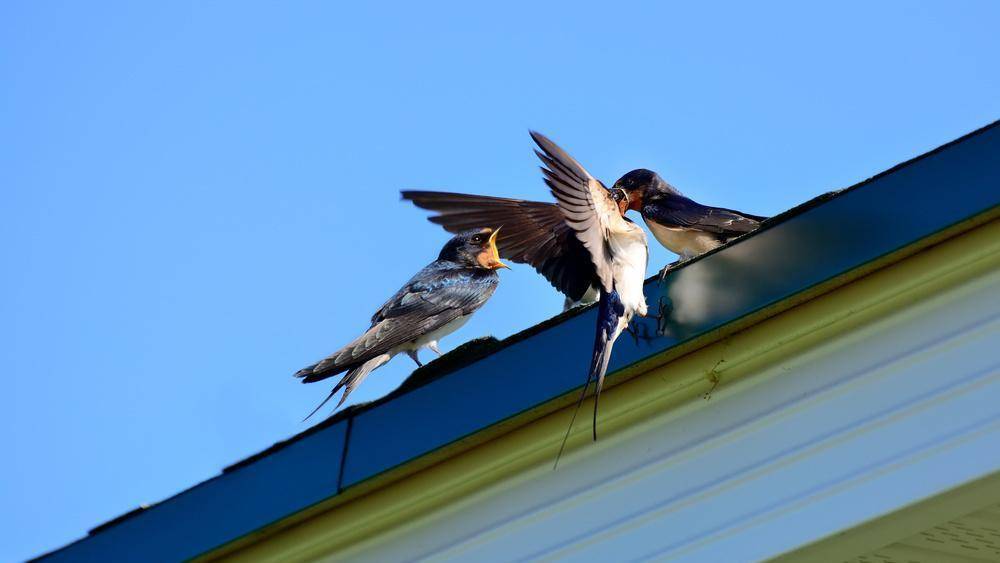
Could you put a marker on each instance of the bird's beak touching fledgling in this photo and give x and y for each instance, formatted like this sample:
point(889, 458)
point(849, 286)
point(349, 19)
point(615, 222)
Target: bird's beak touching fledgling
point(621, 198)
point(490, 257)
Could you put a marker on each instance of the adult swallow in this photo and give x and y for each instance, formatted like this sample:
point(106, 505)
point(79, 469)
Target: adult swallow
point(616, 246)
point(534, 233)
point(434, 303)
point(684, 226)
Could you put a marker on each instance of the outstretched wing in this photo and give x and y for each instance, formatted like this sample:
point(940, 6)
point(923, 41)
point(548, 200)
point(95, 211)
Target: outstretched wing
point(680, 211)
point(429, 301)
point(533, 233)
point(586, 205)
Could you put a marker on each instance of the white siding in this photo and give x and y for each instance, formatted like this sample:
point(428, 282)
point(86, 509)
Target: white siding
point(898, 411)
point(973, 538)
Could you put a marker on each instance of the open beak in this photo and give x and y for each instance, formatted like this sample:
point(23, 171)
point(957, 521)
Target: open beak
point(495, 254)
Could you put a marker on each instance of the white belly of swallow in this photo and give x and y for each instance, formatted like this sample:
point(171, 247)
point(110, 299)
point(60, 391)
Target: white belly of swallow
point(434, 335)
point(631, 259)
point(683, 242)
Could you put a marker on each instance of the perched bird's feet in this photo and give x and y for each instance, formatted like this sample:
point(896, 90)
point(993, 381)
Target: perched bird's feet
point(413, 356)
point(666, 270)
point(675, 264)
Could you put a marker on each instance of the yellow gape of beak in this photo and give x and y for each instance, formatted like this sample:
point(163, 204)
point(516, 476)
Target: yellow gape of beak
point(496, 254)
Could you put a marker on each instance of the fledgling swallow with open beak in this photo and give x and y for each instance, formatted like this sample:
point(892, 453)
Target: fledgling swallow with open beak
point(434, 303)
point(682, 225)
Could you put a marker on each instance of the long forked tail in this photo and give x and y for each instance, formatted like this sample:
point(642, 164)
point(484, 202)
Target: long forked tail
point(351, 379)
point(609, 312)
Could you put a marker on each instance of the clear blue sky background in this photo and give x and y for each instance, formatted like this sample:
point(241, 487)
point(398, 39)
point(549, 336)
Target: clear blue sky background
point(200, 198)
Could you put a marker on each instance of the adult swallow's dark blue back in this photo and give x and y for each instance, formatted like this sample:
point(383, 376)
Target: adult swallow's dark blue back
point(434, 303)
point(617, 248)
point(684, 226)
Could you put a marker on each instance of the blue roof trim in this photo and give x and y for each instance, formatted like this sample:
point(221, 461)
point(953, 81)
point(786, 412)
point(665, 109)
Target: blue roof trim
point(223, 508)
point(803, 248)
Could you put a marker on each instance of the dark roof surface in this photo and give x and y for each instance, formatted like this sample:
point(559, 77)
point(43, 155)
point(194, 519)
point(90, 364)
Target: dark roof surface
point(487, 381)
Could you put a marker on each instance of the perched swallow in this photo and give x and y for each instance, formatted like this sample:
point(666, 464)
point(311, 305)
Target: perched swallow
point(617, 248)
point(684, 226)
point(434, 303)
point(534, 233)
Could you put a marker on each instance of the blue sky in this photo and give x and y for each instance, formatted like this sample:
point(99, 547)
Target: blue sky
point(201, 198)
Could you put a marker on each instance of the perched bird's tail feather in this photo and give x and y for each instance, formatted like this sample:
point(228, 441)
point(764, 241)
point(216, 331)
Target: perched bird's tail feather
point(742, 222)
point(352, 379)
point(609, 312)
point(320, 371)
point(342, 360)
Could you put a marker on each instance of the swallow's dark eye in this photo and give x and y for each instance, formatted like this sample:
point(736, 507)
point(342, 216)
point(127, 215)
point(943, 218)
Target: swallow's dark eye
point(477, 239)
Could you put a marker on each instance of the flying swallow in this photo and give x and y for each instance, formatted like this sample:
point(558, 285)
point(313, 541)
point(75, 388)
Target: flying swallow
point(617, 249)
point(434, 303)
point(684, 226)
point(534, 233)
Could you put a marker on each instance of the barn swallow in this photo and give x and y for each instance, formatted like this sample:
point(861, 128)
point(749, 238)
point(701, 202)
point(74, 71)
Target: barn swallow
point(434, 303)
point(534, 233)
point(616, 246)
point(684, 226)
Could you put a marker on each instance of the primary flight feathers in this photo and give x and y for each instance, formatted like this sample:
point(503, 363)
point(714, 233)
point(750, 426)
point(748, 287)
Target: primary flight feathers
point(617, 248)
point(534, 233)
point(587, 206)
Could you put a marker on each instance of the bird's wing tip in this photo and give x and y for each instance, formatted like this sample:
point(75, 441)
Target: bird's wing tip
point(542, 141)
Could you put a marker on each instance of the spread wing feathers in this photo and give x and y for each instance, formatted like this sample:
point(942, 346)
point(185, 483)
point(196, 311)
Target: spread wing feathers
point(431, 300)
point(585, 203)
point(533, 233)
point(684, 212)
